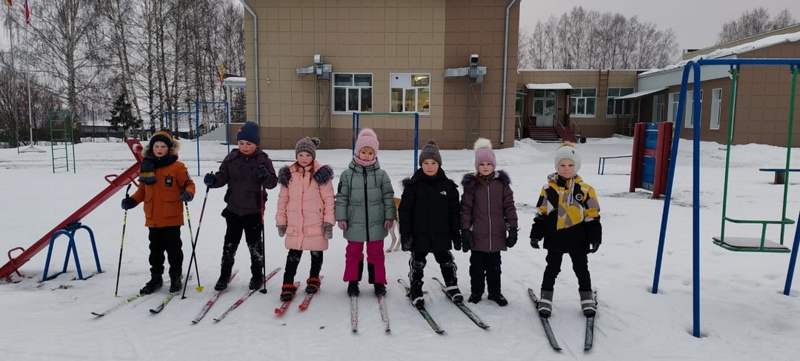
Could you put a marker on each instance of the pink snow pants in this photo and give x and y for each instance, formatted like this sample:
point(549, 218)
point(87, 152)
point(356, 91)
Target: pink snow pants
point(354, 258)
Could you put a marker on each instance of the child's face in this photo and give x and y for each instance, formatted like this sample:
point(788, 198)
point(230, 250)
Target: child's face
point(160, 149)
point(430, 167)
point(485, 168)
point(304, 159)
point(366, 154)
point(566, 168)
point(246, 147)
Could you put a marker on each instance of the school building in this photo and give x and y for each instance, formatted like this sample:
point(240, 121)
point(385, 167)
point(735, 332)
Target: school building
point(311, 65)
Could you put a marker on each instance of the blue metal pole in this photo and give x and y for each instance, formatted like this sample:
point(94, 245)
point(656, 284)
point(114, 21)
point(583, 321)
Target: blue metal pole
point(751, 61)
point(228, 121)
point(696, 196)
point(416, 140)
point(792, 260)
point(353, 133)
point(197, 137)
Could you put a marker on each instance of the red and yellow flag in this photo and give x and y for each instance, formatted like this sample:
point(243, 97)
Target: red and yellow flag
point(9, 2)
point(27, 13)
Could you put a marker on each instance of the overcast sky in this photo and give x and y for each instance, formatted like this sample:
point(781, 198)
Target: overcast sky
point(696, 22)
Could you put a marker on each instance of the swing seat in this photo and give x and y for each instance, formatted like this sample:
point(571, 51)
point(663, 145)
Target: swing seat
point(750, 244)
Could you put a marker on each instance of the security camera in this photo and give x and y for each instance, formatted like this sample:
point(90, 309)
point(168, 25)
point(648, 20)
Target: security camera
point(473, 59)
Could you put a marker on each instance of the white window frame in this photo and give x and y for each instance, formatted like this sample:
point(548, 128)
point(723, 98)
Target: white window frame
point(611, 103)
point(687, 114)
point(716, 108)
point(410, 93)
point(356, 96)
point(672, 111)
point(577, 97)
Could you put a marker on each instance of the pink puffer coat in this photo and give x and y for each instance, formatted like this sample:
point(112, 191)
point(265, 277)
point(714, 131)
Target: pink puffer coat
point(305, 202)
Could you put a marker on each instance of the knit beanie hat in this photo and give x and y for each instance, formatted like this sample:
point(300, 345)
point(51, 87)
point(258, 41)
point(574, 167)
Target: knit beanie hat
point(367, 138)
point(430, 151)
point(483, 152)
point(568, 150)
point(308, 145)
point(161, 136)
point(249, 132)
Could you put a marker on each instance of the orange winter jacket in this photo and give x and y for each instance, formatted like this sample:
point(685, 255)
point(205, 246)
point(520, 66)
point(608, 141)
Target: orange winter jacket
point(162, 201)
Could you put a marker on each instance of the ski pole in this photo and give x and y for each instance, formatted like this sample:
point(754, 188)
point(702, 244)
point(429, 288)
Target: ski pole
point(263, 245)
point(193, 241)
point(122, 242)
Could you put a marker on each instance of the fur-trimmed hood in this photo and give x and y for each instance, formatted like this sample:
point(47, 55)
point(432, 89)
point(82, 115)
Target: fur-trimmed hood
point(470, 180)
point(322, 175)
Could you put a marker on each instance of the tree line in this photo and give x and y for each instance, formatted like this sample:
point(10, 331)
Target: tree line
point(85, 55)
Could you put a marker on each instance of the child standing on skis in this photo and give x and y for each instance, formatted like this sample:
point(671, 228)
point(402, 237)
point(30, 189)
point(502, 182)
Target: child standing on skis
point(365, 211)
point(247, 171)
point(164, 184)
point(429, 223)
point(305, 213)
point(487, 212)
point(568, 219)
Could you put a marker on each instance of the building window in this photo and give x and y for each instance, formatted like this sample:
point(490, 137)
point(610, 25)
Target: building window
point(616, 108)
point(582, 102)
point(673, 107)
point(409, 93)
point(658, 108)
point(352, 92)
point(688, 119)
point(716, 107)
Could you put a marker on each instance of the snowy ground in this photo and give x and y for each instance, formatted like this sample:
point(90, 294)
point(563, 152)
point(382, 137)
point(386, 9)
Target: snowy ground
point(744, 313)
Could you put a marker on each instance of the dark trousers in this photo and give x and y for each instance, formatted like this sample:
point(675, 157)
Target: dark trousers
point(580, 265)
point(293, 259)
point(251, 226)
point(484, 265)
point(165, 239)
point(446, 262)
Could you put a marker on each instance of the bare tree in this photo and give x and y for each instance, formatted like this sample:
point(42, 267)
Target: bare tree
point(754, 22)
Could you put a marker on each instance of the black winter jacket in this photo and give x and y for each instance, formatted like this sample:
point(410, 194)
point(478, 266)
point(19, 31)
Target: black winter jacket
point(429, 212)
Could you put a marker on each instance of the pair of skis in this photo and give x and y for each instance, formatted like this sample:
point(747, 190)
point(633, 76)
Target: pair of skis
point(235, 305)
point(135, 297)
point(381, 307)
point(280, 310)
point(588, 339)
point(429, 319)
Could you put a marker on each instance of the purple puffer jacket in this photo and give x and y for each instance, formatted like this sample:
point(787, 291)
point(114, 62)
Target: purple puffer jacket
point(486, 208)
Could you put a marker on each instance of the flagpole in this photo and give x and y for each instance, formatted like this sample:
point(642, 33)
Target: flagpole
point(31, 148)
point(13, 76)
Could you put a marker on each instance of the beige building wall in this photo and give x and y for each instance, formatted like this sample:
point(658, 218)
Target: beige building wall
point(378, 38)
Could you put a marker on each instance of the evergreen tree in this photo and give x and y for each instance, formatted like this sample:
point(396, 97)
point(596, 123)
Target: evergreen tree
point(122, 116)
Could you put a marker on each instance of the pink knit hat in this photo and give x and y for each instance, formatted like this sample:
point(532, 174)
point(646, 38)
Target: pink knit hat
point(367, 138)
point(483, 152)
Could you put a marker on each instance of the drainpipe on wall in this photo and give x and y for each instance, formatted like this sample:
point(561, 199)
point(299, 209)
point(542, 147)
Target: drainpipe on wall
point(255, 57)
point(505, 74)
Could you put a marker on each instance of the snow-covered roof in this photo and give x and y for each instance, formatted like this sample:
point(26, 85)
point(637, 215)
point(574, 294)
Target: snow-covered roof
point(548, 86)
point(733, 51)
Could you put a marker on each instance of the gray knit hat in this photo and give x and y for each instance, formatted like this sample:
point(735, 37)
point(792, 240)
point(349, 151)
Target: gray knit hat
point(308, 145)
point(430, 151)
point(568, 150)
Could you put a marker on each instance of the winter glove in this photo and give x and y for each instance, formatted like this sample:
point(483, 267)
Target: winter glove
point(511, 240)
point(535, 243)
point(457, 241)
point(128, 203)
point(262, 172)
point(209, 179)
point(387, 224)
point(406, 242)
point(342, 225)
point(327, 229)
point(467, 240)
point(281, 231)
point(593, 246)
point(186, 196)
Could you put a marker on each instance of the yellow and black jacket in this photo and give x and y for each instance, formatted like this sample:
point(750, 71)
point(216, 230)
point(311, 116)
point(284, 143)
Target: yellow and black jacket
point(568, 215)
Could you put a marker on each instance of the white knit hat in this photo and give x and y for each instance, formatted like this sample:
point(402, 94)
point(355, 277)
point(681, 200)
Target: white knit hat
point(568, 150)
point(483, 152)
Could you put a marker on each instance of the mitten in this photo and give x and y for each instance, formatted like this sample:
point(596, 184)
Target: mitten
point(209, 179)
point(327, 229)
point(511, 240)
point(342, 225)
point(593, 246)
point(281, 231)
point(457, 241)
point(128, 203)
point(186, 196)
point(535, 243)
point(406, 242)
point(262, 172)
point(467, 240)
point(387, 224)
